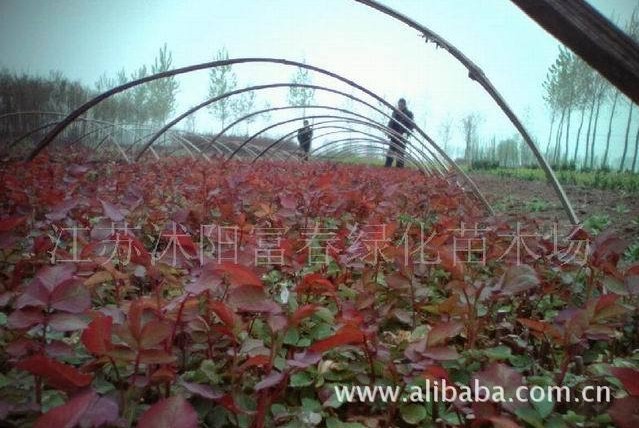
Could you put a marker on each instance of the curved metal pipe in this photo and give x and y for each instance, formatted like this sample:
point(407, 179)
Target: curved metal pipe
point(354, 142)
point(333, 154)
point(101, 141)
point(476, 74)
point(322, 88)
point(387, 130)
point(123, 127)
point(340, 129)
point(252, 149)
point(203, 139)
point(217, 149)
point(32, 113)
point(341, 119)
point(153, 131)
point(430, 167)
point(186, 143)
point(377, 143)
point(101, 97)
point(93, 131)
point(337, 118)
point(27, 134)
point(337, 130)
point(30, 132)
point(51, 113)
point(176, 134)
point(350, 143)
point(210, 101)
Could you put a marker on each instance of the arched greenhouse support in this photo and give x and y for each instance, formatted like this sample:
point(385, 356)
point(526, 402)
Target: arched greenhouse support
point(98, 99)
point(433, 169)
point(47, 125)
point(353, 138)
point(365, 150)
point(210, 101)
point(95, 131)
point(312, 106)
point(336, 119)
point(346, 111)
point(333, 125)
point(335, 130)
point(347, 143)
point(188, 145)
point(354, 144)
point(350, 143)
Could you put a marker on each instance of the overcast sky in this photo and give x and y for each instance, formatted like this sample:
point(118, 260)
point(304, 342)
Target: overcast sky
point(86, 38)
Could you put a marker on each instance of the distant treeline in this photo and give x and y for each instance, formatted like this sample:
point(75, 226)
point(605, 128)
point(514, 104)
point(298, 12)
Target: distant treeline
point(143, 105)
point(584, 110)
point(147, 105)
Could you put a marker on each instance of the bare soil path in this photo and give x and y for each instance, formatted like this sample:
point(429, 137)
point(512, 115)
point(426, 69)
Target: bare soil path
point(513, 196)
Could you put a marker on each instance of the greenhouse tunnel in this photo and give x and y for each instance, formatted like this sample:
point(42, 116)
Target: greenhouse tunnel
point(421, 150)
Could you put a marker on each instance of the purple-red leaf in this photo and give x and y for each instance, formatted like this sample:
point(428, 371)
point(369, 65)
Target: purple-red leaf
point(66, 322)
point(629, 378)
point(440, 333)
point(441, 353)
point(61, 210)
point(172, 412)
point(302, 312)
point(224, 313)
point(51, 276)
point(69, 414)
point(58, 375)
point(625, 412)
point(25, 318)
point(498, 375)
point(236, 274)
point(97, 337)
point(204, 391)
point(518, 279)
point(347, 335)
point(273, 379)
point(10, 223)
point(111, 211)
point(103, 411)
point(248, 298)
point(71, 296)
point(153, 333)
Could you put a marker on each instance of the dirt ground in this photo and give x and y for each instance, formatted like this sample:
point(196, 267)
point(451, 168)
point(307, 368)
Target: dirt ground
point(512, 196)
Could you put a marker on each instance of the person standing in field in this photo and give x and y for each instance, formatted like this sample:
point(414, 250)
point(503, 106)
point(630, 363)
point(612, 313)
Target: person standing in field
point(402, 123)
point(304, 137)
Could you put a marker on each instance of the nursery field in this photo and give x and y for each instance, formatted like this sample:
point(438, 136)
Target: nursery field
point(598, 209)
point(184, 293)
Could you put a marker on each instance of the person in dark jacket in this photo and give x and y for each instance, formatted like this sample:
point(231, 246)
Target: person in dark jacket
point(402, 123)
point(304, 137)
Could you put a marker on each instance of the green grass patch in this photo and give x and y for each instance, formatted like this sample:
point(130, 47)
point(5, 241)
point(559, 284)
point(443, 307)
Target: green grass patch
point(605, 180)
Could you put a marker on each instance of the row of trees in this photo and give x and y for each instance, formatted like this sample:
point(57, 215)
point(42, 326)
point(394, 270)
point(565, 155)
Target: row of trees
point(223, 80)
point(572, 89)
point(510, 152)
point(148, 104)
point(25, 93)
point(588, 116)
